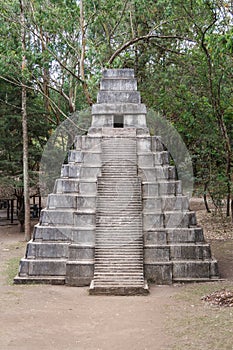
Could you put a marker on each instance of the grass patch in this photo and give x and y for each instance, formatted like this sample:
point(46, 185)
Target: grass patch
point(12, 267)
point(195, 324)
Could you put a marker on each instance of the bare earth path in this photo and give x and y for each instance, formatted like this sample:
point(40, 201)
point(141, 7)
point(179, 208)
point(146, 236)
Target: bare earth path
point(59, 317)
point(64, 318)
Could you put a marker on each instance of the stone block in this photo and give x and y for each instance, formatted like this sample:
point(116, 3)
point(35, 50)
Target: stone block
point(116, 84)
point(176, 219)
point(119, 96)
point(156, 236)
point(55, 217)
point(214, 272)
point(62, 201)
point(84, 235)
point(154, 253)
point(161, 158)
point(171, 173)
point(178, 190)
point(86, 202)
point(190, 252)
point(102, 120)
point(79, 273)
point(70, 170)
point(152, 220)
point(191, 269)
point(38, 250)
point(150, 189)
point(159, 273)
point(118, 73)
point(45, 267)
point(81, 252)
point(78, 142)
point(88, 187)
point(75, 156)
point(170, 203)
point(167, 188)
point(135, 120)
point(143, 144)
point(90, 172)
point(145, 160)
point(52, 233)
point(198, 232)
point(24, 267)
point(92, 158)
point(192, 218)
point(156, 144)
point(118, 108)
point(155, 173)
point(84, 219)
point(152, 204)
point(66, 186)
point(182, 235)
point(91, 143)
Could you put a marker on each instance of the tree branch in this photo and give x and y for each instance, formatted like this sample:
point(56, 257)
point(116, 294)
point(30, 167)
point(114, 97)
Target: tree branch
point(144, 38)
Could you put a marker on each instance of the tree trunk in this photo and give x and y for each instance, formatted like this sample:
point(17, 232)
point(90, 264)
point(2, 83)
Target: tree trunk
point(82, 58)
point(27, 223)
point(205, 198)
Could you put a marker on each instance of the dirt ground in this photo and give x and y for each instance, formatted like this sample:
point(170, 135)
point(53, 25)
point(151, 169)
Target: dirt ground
point(65, 318)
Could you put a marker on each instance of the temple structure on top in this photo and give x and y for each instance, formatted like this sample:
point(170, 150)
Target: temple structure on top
point(117, 217)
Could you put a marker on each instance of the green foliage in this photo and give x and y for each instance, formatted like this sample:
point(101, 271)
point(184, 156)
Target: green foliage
point(184, 71)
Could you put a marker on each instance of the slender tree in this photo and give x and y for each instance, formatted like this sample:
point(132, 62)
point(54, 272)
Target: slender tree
point(27, 223)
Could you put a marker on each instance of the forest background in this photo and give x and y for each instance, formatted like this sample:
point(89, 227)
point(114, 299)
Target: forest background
point(52, 53)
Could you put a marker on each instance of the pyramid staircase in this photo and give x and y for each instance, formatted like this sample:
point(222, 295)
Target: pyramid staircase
point(119, 240)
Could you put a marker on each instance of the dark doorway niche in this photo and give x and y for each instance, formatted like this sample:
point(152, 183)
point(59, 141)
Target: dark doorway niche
point(118, 121)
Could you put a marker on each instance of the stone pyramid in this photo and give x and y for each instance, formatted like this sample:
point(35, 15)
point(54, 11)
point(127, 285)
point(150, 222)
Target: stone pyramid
point(117, 217)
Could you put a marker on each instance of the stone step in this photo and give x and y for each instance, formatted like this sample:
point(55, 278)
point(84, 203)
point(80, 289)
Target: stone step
point(101, 289)
point(116, 264)
point(100, 239)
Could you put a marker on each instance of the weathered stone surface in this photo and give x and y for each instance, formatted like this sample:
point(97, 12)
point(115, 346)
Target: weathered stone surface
point(79, 273)
point(191, 269)
point(45, 267)
point(185, 235)
point(86, 202)
point(119, 96)
point(152, 204)
point(90, 172)
point(155, 236)
point(66, 186)
point(122, 109)
point(75, 156)
point(62, 201)
point(145, 160)
point(81, 252)
point(118, 73)
point(116, 84)
point(55, 217)
point(156, 144)
point(84, 235)
point(154, 253)
point(152, 220)
point(87, 187)
point(161, 158)
point(39, 250)
point(135, 121)
point(159, 272)
point(84, 219)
